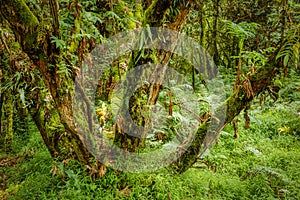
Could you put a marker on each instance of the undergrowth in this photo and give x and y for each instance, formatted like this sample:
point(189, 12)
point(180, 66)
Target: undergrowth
point(262, 163)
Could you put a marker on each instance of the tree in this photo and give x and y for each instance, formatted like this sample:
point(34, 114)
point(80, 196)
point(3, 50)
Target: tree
point(61, 139)
point(55, 44)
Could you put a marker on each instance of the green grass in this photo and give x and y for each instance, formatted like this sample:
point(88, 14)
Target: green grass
point(263, 163)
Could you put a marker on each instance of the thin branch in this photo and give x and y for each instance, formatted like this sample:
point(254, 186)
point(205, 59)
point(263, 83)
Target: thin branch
point(54, 12)
point(4, 43)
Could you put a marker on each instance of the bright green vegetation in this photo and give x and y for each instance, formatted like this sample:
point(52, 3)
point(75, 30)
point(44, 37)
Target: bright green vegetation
point(46, 45)
point(263, 163)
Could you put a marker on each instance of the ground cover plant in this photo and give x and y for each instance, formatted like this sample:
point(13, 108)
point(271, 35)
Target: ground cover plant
point(147, 99)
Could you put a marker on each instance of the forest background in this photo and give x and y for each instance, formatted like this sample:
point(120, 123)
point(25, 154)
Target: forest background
point(255, 48)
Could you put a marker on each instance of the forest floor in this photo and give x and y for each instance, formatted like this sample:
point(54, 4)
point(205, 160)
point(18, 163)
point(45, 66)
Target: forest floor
point(262, 163)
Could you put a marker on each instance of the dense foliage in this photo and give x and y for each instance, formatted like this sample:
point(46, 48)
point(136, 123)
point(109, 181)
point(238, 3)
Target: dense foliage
point(44, 46)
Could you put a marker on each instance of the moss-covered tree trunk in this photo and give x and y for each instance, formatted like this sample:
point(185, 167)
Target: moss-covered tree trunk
point(1, 100)
point(156, 14)
point(9, 114)
point(215, 53)
point(52, 110)
point(55, 121)
point(7, 106)
point(255, 83)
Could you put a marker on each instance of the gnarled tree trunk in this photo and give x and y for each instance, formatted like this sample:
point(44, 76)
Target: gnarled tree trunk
point(55, 121)
point(52, 111)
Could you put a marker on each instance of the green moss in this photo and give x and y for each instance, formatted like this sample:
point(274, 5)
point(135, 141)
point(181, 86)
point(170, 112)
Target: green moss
point(120, 9)
point(53, 124)
point(138, 10)
point(25, 16)
point(22, 20)
point(124, 12)
point(130, 23)
point(153, 57)
point(191, 154)
point(9, 112)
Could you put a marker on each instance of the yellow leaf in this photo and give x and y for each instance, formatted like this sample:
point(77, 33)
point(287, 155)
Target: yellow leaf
point(109, 134)
point(284, 129)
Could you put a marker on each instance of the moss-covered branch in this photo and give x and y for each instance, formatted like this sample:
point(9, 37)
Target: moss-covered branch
point(22, 21)
point(259, 81)
point(161, 13)
point(63, 142)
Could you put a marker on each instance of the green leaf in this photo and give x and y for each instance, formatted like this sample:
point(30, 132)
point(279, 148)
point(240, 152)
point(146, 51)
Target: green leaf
point(286, 60)
point(111, 14)
point(58, 43)
point(149, 32)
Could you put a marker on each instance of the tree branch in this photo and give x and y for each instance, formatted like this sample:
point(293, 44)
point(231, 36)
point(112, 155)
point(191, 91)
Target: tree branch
point(22, 21)
point(259, 81)
point(54, 12)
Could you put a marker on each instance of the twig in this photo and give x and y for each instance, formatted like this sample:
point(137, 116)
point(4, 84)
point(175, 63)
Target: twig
point(4, 43)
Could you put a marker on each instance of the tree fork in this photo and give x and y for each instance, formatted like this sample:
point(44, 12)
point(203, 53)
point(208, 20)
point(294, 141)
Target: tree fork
point(155, 16)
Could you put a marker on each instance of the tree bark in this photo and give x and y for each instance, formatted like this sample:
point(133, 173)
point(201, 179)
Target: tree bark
point(250, 88)
point(154, 16)
point(66, 142)
point(9, 113)
point(54, 117)
point(215, 32)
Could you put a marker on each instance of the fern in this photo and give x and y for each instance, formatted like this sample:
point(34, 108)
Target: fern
point(290, 49)
point(242, 30)
point(270, 172)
